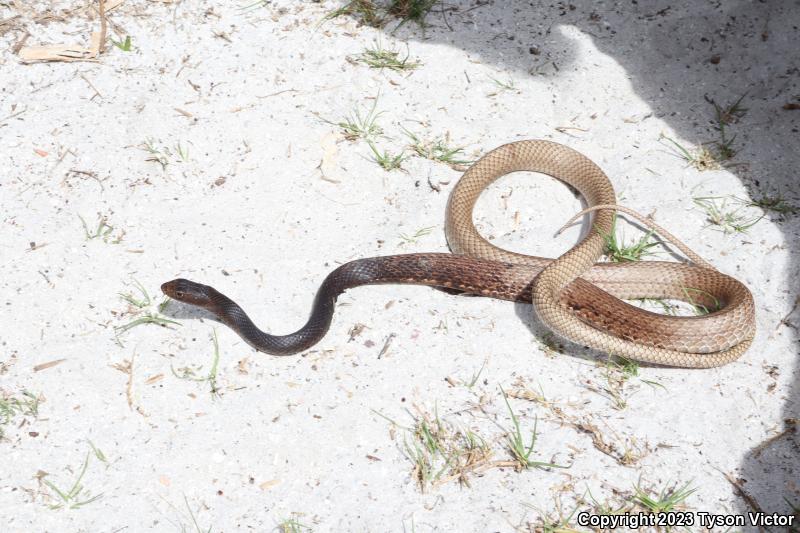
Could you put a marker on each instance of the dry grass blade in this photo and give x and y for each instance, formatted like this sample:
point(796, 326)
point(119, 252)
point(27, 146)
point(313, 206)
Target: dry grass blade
point(521, 452)
point(72, 498)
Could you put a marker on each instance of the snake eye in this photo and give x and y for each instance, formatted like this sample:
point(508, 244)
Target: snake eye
point(179, 294)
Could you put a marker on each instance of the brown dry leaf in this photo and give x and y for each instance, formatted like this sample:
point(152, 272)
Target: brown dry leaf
point(61, 52)
point(50, 364)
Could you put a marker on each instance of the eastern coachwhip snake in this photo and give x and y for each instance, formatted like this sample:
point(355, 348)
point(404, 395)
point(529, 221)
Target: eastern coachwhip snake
point(572, 295)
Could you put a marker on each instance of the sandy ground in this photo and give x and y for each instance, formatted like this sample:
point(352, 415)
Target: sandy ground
point(247, 187)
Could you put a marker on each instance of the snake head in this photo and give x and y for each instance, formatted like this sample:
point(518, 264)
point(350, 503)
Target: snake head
point(187, 291)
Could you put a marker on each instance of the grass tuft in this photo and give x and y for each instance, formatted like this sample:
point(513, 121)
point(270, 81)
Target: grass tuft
point(102, 231)
point(719, 214)
point(163, 155)
point(143, 307)
point(441, 452)
point(773, 203)
point(617, 374)
point(380, 58)
point(356, 126)
point(370, 13)
point(667, 500)
point(725, 116)
point(13, 406)
point(293, 525)
point(560, 524)
point(386, 160)
point(521, 452)
point(618, 252)
point(411, 10)
point(125, 45)
point(438, 149)
point(365, 11)
point(700, 158)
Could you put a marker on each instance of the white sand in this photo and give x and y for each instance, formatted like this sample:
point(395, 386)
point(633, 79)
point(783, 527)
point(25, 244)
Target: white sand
point(301, 436)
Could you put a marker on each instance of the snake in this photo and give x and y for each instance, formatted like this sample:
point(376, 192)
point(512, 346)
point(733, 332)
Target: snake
point(574, 295)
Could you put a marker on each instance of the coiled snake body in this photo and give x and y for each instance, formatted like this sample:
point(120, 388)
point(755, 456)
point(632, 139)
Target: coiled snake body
point(575, 297)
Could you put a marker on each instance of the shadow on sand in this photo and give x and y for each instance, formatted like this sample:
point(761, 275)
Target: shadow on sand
point(677, 53)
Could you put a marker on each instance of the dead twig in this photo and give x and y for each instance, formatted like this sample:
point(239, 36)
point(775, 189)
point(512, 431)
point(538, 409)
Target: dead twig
point(743, 493)
point(90, 84)
point(9, 20)
point(12, 115)
point(126, 367)
point(103, 29)
point(785, 320)
point(386, 345)
point(790, 425)
point(20, 43)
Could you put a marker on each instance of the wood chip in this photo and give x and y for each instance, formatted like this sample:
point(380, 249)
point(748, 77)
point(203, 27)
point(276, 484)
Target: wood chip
point(45, 366)
point(53, 52)
point(269, 484)
point(61, 52)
